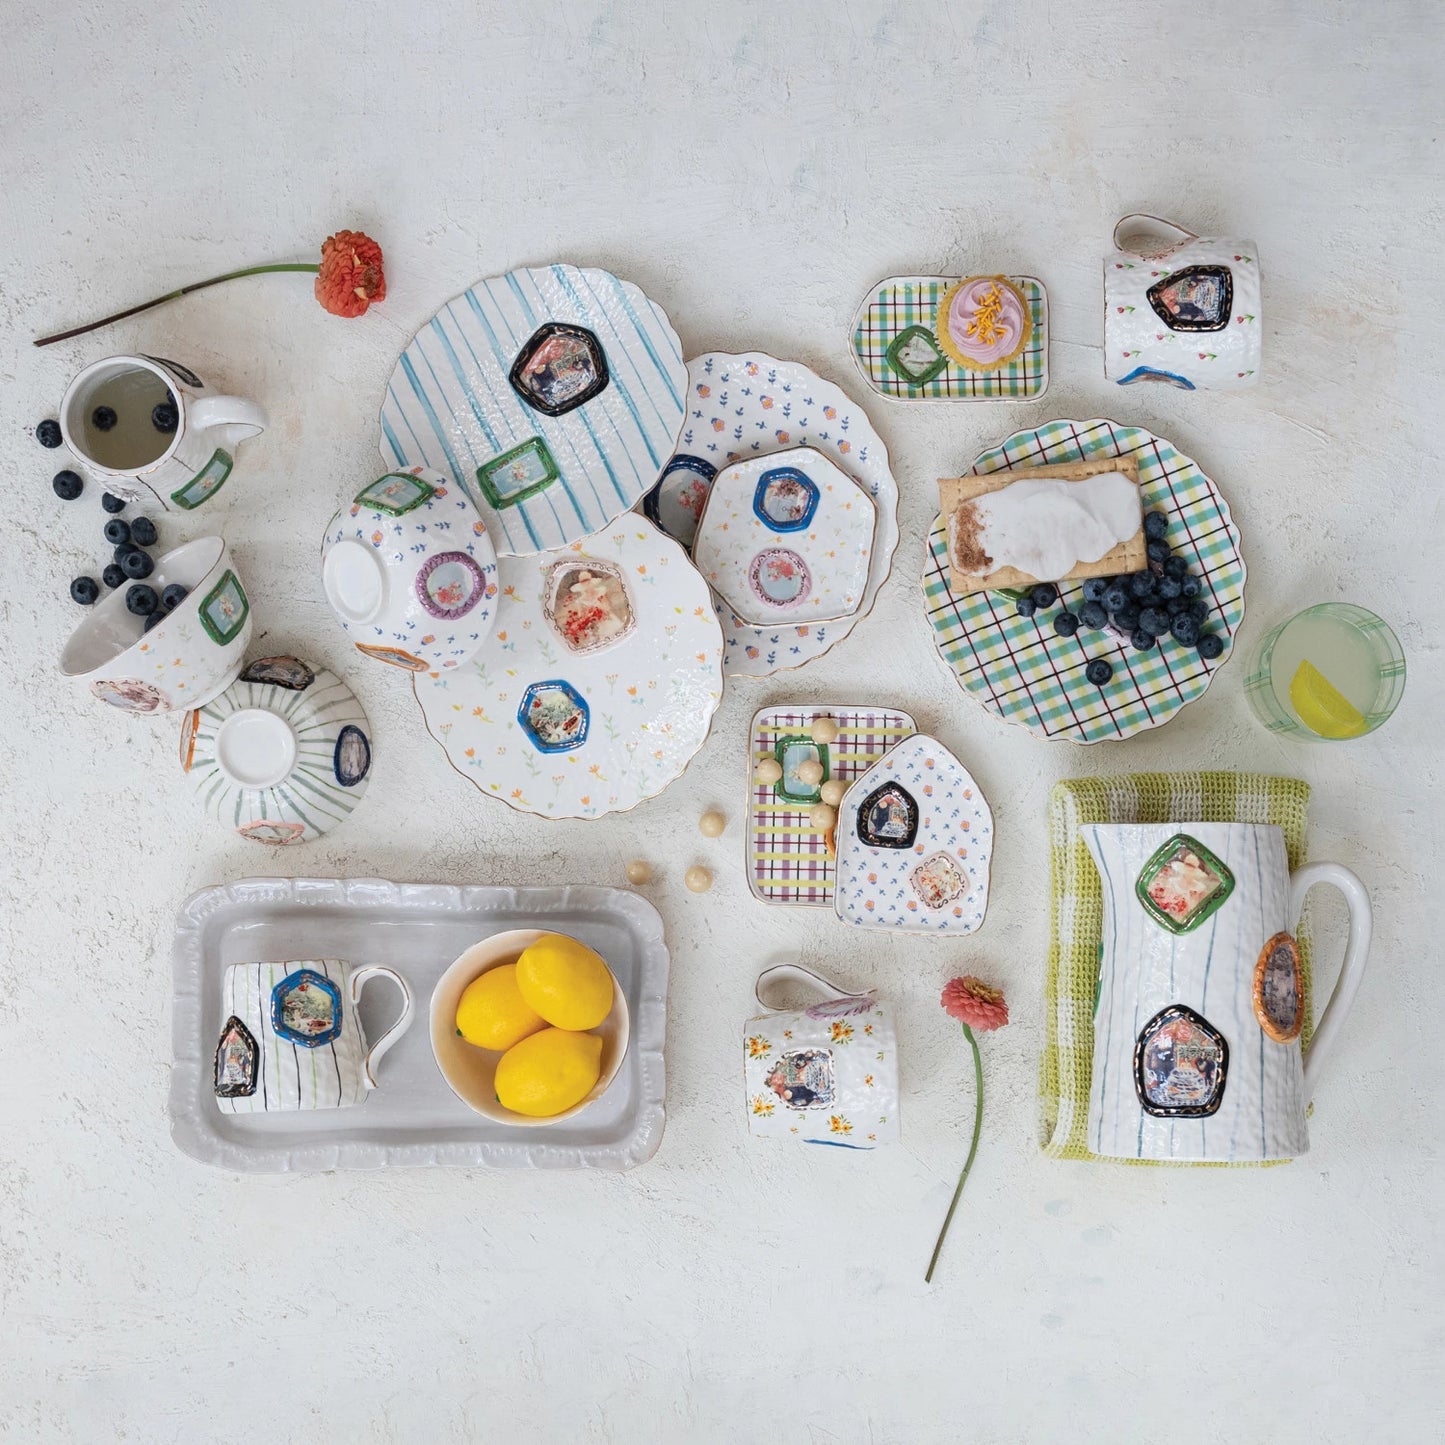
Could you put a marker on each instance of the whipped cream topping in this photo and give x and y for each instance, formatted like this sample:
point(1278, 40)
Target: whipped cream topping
point(986, 319)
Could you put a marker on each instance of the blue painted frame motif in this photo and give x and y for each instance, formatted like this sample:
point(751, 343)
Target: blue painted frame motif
point(531, 711)
point(305, 978)
point(796, 482)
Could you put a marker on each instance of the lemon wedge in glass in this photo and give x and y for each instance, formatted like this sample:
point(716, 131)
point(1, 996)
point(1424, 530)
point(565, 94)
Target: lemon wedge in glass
point(1321, 706)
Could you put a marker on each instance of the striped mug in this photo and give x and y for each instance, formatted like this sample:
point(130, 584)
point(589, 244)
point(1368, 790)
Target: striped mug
point(291, 1036)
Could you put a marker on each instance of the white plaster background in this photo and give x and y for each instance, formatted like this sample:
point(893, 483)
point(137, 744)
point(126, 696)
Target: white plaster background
point(754, 169)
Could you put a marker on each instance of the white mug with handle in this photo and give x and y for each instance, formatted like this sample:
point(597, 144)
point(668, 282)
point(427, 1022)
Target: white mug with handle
point(146, 426)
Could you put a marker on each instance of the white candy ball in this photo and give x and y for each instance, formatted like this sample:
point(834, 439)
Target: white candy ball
point(711, 824)
point(833, 791)
point(824, 730)
point(810, 772)
point(639, 872)
point(822, 817)
point(697, 878)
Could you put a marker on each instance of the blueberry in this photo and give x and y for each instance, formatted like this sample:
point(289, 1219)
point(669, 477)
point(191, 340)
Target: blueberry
point(1175, 566)
point(1098, 672)
point(1156, 524)
point(112, 503)
point(173, 596)
point(1141, 639)
point(68, 485)
point(1170, 588)
point(141, 599)
point(1185, 629)
point(1025, 607)
point(122, 552)
point(1142, 585)
point(117, 532)
point(137, 564)
point(47, 433)
point(1066, 624)
point(103, 418)
point(114, 575)
point(84, 590)
point(164, 416)
point(1190, 585)
point(1158, 551)
point(1094, 589)
point(1176, 606)
point(1126, 619)
point(1094, 615)
point(1198, 609)
point(1151, 619)
point(154, 619)
point(1115, 596)
point(1044, 595)
point(1210, 645)
point(143, 532)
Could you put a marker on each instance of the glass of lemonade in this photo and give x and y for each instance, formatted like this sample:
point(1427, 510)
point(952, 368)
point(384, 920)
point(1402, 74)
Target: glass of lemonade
point(1333, 671)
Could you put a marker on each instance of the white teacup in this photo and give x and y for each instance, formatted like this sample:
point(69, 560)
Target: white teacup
point(132, 457)
point(290, 1036)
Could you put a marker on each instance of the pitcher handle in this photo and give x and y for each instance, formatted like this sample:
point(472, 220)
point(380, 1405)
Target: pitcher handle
point(233, 417)
point(796, 973)
point(1183, 232)
point(1352, 970)
point(359, 980)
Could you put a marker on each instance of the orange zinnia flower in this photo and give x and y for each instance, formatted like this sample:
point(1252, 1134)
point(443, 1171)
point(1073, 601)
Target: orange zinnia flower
point(350, 278)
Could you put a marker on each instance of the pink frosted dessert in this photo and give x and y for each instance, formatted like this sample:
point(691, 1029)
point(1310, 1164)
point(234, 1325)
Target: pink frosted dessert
point(983, 322)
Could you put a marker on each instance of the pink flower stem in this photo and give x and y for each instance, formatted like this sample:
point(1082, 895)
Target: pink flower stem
point(171, 296)
point(972, 1148)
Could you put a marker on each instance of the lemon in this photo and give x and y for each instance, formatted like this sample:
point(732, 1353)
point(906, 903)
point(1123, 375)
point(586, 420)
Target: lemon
point(565, 982)
point(492, 1013)
point(548, 1072)
point(1321, 706)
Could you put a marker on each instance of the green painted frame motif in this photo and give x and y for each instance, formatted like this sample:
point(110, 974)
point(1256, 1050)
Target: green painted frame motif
point(488, 470)
point(780, 749)
point(1208, 908)
point(206, 482)
point(226, 630)
point(915, 378)
point(424, 492)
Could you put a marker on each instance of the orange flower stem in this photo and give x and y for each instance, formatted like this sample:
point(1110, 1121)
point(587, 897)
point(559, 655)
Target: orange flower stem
point(171, 296)
point(972, 1148)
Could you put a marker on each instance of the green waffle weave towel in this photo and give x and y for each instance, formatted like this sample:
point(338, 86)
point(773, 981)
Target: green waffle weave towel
point(1076, 913)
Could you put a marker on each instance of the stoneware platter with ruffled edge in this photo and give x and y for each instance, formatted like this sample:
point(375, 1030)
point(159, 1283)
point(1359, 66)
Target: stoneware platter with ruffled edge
point(412, 1118)
point(603, 370)
point(749, 405)
point(1021, 671)
point(615, 723)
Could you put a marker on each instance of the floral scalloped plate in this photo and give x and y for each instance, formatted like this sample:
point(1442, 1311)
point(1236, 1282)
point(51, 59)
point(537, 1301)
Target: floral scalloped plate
point(598, 685)
point(1021, 671)
point(749, 405)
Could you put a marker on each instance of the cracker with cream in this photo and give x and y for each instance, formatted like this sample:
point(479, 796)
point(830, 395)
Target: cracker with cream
point(1043, 524)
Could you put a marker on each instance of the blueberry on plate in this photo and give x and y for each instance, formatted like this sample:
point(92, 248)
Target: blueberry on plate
point(1170, 588)
point(165, 417)
point(1156, 524)
point(155, 619)
point(114, 575)
point(1115, 596)
point(141, 599)
point(137, 564)
point(1094, 588)
point(1093, 615)
point(1176, 606)
point(111, 502)
point(68, 485)
point(1098, 672)
point(1210, 645)
point(1141, 639)
point(1152, 619)
point(1126, 619)
point(103, 418)
point(1175, 566)
point(1066, 624)
point(84, 590)
point(173, 596)
point(1185, 629)
point(143, 532)
point(1045, 594)
point(47, 433)
point(117, 532)
point(1198, 609)
point(1190, 585)
point(1025, 607)
point(1158, 550)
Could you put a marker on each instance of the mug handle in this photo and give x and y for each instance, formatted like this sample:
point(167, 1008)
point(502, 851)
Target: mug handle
point(796, 973)
point(1183, 233)
point(235, 418)
point(1352, 970)
point(359, 980)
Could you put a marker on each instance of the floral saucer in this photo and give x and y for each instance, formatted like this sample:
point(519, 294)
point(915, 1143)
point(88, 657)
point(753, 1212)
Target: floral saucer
point(283, 755)
point(754, 405)
point(915, 837)
point(552, 396)
point(598, 685)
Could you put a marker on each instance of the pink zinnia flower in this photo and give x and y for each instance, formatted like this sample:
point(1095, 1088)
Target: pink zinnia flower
point(973, 1002)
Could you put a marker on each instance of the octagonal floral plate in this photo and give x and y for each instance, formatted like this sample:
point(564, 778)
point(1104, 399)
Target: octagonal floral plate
point(551, 395)
point(599, 683)
point(1021, 671)
point(752, 404)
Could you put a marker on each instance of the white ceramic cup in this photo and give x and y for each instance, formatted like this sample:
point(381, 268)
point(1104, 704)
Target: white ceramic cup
point(179, 469)
point(1200, 1008)
point(1180, 308)
point(194, 653)
point(290, 1036)
point(824, 1074)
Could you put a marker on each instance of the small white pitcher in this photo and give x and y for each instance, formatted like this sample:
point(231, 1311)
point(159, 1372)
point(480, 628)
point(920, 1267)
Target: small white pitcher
point(135, 459)
point(1201, 1000)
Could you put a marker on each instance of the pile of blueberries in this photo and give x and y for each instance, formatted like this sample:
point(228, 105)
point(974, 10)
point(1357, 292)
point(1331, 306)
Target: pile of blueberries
point(130, 561)
point(1165, 600)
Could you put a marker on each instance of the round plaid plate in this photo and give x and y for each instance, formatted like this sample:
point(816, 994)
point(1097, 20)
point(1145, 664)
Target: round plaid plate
point(1021, 671)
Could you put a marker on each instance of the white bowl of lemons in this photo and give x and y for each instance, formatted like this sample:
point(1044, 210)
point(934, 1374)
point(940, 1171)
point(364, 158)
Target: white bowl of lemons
point(529, 1027)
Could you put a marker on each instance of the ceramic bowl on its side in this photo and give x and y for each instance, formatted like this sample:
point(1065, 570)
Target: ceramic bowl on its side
point(470, 1071)
point(186, 659)
point(410, 572)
